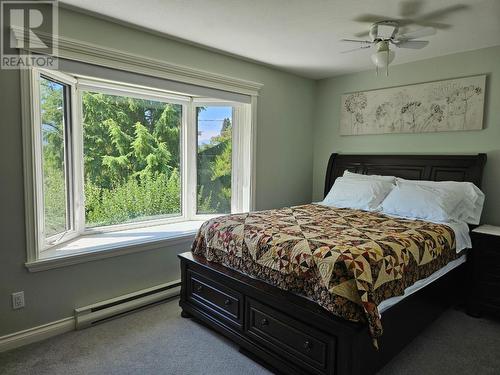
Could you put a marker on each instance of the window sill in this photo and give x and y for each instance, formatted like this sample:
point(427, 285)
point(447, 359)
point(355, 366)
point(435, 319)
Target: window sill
point(104, 245)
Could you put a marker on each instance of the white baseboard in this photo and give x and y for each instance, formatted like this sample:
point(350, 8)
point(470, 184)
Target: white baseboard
point(30, 335)
point(45, 331)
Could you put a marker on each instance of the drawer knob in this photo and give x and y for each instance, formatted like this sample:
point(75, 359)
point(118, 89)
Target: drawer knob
point(227, 302)
point(199, 288)
point(264, 322)
point(307, 345)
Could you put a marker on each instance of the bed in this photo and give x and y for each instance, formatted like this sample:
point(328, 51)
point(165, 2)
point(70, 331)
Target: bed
point(292, 334)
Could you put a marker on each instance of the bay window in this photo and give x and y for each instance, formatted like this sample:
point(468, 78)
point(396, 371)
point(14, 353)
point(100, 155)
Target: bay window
point(113, 156)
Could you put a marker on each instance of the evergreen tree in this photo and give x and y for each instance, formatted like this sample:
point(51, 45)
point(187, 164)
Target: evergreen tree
point(131, 159)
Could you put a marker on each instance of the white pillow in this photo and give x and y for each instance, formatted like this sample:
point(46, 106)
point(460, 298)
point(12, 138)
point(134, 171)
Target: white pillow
point(358, 194)
point(470, 196)
point(420, 201)
point(369, 176)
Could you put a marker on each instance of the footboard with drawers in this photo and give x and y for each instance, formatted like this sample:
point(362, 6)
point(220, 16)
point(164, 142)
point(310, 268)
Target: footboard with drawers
point(290, 334)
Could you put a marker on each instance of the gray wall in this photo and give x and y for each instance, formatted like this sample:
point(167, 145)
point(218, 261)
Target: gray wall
point(284, 159)
point(326, 125)
point(286, 138)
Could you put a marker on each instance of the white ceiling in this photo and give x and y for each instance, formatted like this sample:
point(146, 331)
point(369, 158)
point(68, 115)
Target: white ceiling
point(302, 36)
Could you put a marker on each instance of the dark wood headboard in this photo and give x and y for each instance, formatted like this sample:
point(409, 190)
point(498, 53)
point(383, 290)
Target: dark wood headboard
point(412, 167)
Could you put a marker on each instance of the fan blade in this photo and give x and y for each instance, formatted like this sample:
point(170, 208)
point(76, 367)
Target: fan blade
point(362, 34)
point(436, 25)
point(433, 18)
point(425, 31)
point(410, 8)
point(355, 49)
point(436, 15)
point(370, 18)
point(356, 41)
point(413, 44)
point(373, 18)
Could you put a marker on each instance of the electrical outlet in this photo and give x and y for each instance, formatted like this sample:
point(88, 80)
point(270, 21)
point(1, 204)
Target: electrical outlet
point(17, 300)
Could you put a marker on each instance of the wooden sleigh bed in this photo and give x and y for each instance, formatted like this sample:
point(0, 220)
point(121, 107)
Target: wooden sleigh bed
point(290, 334)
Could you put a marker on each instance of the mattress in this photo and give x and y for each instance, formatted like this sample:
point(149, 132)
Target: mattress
point(420, 284)
point(463, 241)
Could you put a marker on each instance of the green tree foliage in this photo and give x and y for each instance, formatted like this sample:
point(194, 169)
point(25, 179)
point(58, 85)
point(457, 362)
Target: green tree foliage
point(54, 186)
point(131, 160)
point(214, 172)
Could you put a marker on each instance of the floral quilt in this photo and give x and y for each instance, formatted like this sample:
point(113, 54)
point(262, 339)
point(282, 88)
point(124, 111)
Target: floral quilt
point(347, 261)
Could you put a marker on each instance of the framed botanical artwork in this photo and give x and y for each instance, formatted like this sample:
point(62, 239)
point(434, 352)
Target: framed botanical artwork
point(449, 105)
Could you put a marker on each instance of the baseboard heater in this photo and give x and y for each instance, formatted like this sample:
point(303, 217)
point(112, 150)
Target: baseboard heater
point(88, 316)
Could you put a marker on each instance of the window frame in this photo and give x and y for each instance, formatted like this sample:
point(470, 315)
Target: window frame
point(242, 114)
point(237, 122)
point(69, 151)
point(119, 89)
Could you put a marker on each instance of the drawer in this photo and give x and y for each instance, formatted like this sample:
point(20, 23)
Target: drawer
point(490, 292)
point(486, 247)
point(491, 276)
point(491, 308)
point(288, 337)
point(491, 304)
point(226, 303)
point(488, 259)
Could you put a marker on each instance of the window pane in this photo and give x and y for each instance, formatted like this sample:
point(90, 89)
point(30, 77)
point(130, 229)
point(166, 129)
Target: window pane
point(131, 159)
point(214, 129)
point(52, 104)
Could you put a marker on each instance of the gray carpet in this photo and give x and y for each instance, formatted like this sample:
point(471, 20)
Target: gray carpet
point(158, 341)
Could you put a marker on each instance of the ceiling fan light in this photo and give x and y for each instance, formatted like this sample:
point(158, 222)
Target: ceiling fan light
point(382, 59)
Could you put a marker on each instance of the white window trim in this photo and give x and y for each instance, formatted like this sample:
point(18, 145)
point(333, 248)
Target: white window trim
point(112, 88)
point(97, 248)
point(72, 165)
point(239, 119)
point(94, 54)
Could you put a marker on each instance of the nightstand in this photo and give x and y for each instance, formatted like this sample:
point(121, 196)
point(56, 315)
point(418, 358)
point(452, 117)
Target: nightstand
point(484, 263)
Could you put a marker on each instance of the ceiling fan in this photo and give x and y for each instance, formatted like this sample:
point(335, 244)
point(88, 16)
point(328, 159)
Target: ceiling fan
point(410, 13)
point(383, 34)
point(386, 31)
